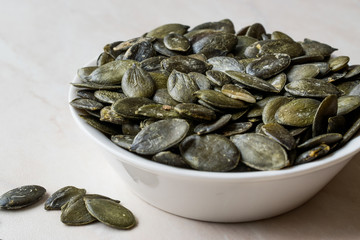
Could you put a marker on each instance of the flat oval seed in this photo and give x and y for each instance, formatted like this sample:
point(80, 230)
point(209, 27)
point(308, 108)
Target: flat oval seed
point(62, 196)
point(184, 64)
point(108, 96)
point(160, 136)
point(123, 141)
point(203, 128)
point(239, 93)
point(170, 159)
point(127, 107)
point(158, 111)
point(298, 113)
point(218, 78)
point(268, 65)
point(251, 81)
point(260, 152)
point(328, 139)
point(163, 30)
point(222, 64)
point(312, 154)
point(107, 114)
point(311, 88)
point(210, 152)
point(269, 110)
point(136, 82)
point(201, 80)
point(218, 99)
point(181, 87)
point(327, 108)
point(89, 104)
point(312, 48)
point(195, 111)
point(176, 42)
point(278, 81)
point(338, 63)
point(110, 73)
point(99, 125)
point(279, 134)
point(74, 213)
point(21, 197)
point(347, 104)
point(162, 96)
point(110, 213)
point(236, 128)
point(302, 71)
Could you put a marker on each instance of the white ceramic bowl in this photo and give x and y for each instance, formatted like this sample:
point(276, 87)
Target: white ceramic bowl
point(219, 197)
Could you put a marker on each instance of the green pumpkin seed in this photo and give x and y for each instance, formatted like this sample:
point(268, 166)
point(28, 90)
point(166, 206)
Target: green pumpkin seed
point(298, 72)
point(62, 196)
point(210, 152)
point(160, 78)
point(162, 31)
point(181, 87)
point(268, 65)
point(158, 111)
point(184, 64)
point(353, 71)
point(170, 159)
point(123, 141)
point(176, 42)
point(201, 80)
point(298, 113)
point(215, 44)
point(160, 136)
point(347, 104)
point(251, 81)
point(312, 48)
point(223, 25)
point(311, 88)
point(160, 48)
point(222, 64)
point(236, 92)
point(195, 111)
point(101, 126)
point(278, 81)
point(276, 35)
point(74, 213)
point(107, 96)
point(104, 58)
point(110, 213)
point(152, 64)
point(260, 152)
point(127, 107)
point(107, 114)
point(110, 73)
point(255, 30)
point(162, 96)
point(140, 51)
point(257, 109)
point(84, 72)
point(89, 104)
point(242, 44)
point(328, 139)
point(136, 82)
point(291, 48)
point(218, 78)
point(280, 134)
point(327, 108)
point(21, 197)
point(218, 99)
point(95, 86)
point(312, 154)
point(204, 128)
point(236, 128)
point(338, 63)
point(271, 106)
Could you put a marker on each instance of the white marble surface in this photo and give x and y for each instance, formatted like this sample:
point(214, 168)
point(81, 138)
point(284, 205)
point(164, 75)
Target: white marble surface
point(42, 43)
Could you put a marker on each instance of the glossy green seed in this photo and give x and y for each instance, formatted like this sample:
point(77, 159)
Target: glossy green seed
point(21, 197)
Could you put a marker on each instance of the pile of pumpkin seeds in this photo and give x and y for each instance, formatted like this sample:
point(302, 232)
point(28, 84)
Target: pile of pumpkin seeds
point(213, 99)
point(77, 207)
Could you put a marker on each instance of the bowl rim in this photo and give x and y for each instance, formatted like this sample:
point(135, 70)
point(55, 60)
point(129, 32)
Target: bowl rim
point(336, 157)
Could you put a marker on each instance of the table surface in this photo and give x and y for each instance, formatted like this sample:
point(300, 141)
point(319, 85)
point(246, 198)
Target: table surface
point(43, 43)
